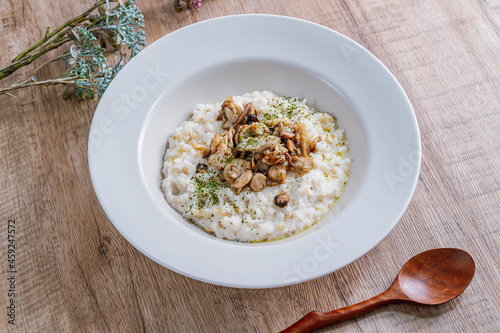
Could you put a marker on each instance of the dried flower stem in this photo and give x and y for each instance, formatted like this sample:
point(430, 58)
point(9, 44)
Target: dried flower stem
point(29, 83)
point(88, 71)
point(24, 58)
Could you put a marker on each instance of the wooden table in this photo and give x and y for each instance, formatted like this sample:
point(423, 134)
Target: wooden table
point(75, 272)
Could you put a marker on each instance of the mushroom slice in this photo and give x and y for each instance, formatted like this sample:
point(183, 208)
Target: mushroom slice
point(287, 135)
point(271, 182)
point(221, 156)
point(301, 129)
point(234, 169)
point(303, 145)
point(229, 113)
point(242, 180)
point(231, 173)
point(262, 167)
point(248, 114)
point(292, 148)
point(301, 138)
point(281, 200)
point(312, 147)
point(258, 182)
point(204, 150)
point(250, 109)
point(302, 164)
point(228, 118)
point(280, 128)
point(277, 172)
point(214, 143)
point(253, 163)
point(276, 155)
point(229, 135)
point(201, 168)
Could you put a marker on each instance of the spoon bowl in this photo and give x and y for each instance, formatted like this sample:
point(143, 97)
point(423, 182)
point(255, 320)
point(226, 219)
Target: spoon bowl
point(436, 276)
point(430, 278)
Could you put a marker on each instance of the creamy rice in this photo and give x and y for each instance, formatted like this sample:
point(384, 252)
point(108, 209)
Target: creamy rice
point(204, 200)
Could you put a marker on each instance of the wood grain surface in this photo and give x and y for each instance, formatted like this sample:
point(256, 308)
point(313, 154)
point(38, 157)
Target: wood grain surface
point(76, 273)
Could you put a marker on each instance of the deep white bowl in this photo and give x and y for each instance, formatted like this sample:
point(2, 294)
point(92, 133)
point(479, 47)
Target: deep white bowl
point(208, 61)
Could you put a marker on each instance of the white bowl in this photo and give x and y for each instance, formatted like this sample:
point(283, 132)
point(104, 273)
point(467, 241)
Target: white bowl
point(208, 61)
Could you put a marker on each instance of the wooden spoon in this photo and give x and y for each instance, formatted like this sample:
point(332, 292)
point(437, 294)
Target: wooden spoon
point(431, 277)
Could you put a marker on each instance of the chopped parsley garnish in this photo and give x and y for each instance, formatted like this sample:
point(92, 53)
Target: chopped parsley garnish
point(288, 107)
point(207, 188)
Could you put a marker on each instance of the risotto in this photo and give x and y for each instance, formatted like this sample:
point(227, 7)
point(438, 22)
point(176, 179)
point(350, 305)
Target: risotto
point(255, 167)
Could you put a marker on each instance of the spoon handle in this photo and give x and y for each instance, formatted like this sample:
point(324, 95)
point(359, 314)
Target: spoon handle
point(315, 319)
